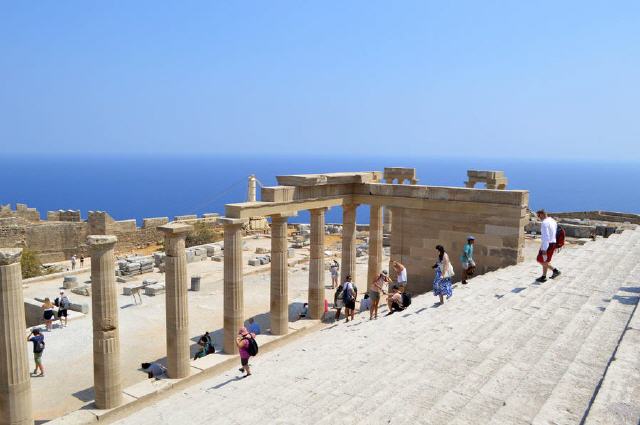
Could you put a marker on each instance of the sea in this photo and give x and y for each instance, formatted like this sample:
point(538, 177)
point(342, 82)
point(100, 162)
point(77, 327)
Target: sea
point(154, 186)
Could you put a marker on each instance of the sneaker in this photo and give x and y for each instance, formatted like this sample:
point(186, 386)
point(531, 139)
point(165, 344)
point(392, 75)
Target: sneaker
point(555, 274)
point(464, 282)
point(541, 279)
point(241, 369)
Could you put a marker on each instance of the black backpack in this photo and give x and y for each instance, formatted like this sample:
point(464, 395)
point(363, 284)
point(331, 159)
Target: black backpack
point(252, 349)
point(406, 300)
point(38, 347)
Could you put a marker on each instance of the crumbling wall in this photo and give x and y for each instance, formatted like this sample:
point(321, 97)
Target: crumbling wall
point(64, 215)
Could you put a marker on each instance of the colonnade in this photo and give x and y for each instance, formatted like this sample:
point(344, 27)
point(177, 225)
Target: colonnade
point(15, 387)
point(279, 298)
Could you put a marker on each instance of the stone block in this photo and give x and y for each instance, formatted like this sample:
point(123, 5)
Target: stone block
point(155, 289)
point(277, 194)
point(291, 253)
point(254, 262)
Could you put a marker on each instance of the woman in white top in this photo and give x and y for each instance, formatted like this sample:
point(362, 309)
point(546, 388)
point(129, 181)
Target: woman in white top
point(444, 273)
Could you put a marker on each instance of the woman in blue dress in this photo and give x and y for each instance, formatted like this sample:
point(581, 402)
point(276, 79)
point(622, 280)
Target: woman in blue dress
point(444, 273)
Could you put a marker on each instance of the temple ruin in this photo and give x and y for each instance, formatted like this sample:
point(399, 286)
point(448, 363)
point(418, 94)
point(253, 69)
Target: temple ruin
point(421, 218)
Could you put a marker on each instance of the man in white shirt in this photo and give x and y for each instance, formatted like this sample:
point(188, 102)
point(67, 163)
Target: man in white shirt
point(401, 273)
point(548, 229)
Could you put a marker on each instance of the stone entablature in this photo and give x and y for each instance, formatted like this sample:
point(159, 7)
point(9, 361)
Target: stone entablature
point(400, 175)
point(491, 179)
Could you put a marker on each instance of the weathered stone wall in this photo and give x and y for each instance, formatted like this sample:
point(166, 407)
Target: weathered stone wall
point(57, 241)
point(615, 217)
point(13, 232)
point(498, 229)
point(152, 223)
point(64, 215)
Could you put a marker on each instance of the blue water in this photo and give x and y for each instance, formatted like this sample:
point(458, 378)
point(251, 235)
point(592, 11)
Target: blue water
point(137, 187)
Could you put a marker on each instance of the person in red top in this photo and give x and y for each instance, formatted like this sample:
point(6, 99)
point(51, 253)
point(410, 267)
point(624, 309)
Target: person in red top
point(242, 341)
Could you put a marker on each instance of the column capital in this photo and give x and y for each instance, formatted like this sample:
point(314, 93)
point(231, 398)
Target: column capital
point(175, 230)
point(101, 241)
point(350, 206)
point(317, 211)
point(10, 256)
point(229, 221)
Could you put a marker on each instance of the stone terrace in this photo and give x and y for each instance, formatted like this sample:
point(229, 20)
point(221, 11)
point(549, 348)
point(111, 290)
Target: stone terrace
point(503, 350)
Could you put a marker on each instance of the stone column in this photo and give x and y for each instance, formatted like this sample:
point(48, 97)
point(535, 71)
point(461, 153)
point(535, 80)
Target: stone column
point(251, 193)
point(375, 243)
point(316, 265)
point(233, 291)
point(348, 266)
point(15, 383)
point(107, 379)
point(279, 276)
point(386, 220)
point(176, 299)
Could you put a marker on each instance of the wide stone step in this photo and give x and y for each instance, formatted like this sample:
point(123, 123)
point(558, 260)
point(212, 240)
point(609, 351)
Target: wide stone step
point(618, 399)
point(526, 400)
point(571, 397)
point(497, 375)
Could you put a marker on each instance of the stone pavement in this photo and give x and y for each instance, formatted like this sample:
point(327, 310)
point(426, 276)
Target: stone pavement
point(68, 384)
point(503, 350)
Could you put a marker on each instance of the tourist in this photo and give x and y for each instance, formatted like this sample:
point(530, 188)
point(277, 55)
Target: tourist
point(73, 262)
point(468, 265)
point(444, 273)
point(242, 341)
point(394, 300)
point(350, 293)
point(47, 308)
point(253, 327)
point(38, 348)
point(206, 346)
point(334, 268)
point(304, 311)
point(377, 286)
point(81, 260)
point(154, 370)
point(338, 300)
point(63, 303)
point(548, 229)
point(401, 275)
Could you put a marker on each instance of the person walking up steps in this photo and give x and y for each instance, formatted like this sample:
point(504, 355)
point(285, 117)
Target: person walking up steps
point(334, 268)
point(350, 293)
point(548, 229)
point(247, 347)
point(377, 287)
point(444, 273)
point(38, 348)
point(468, 265)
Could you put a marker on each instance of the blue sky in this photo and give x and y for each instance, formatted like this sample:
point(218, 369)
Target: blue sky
point(484, 78)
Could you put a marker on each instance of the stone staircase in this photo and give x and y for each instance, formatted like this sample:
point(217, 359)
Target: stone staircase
point(503, 350)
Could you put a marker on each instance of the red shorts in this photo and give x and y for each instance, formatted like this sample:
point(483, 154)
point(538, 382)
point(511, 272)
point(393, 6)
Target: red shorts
point(550, 250)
